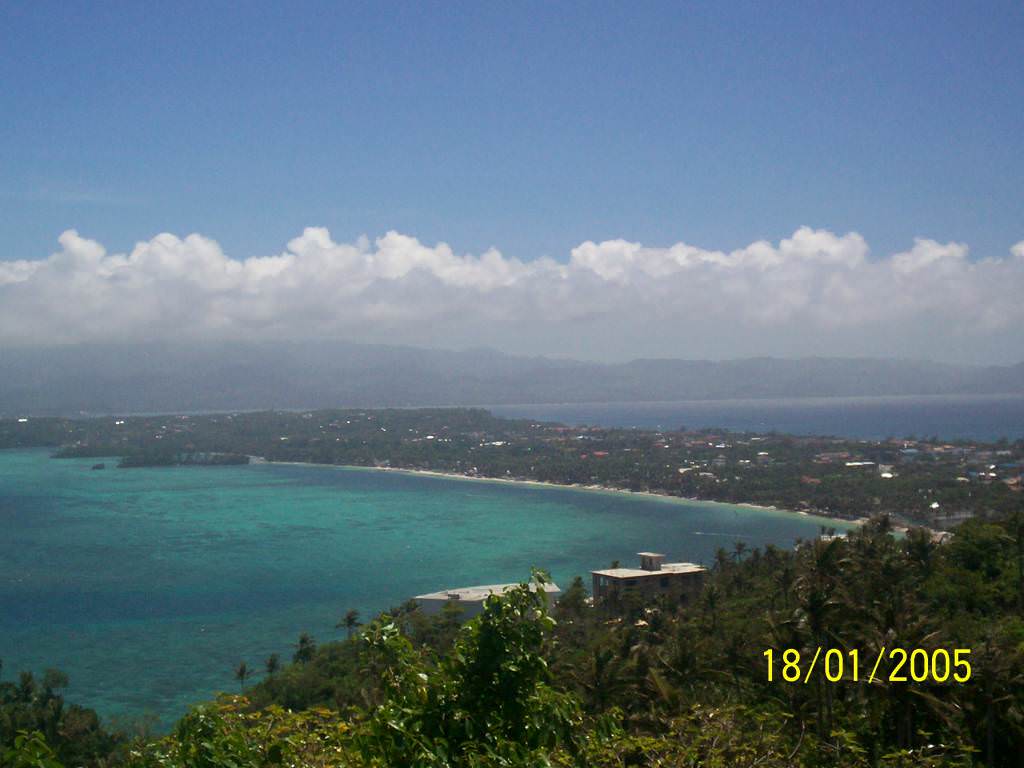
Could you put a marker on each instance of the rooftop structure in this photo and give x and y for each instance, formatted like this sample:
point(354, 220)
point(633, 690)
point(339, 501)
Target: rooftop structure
point(471, 599)
point(653, 578)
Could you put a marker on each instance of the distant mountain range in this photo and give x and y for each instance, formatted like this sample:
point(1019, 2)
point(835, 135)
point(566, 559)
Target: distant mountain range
point(257, 375)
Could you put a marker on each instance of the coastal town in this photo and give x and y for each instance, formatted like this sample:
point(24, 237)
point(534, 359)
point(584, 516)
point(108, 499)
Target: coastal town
point(915, 480)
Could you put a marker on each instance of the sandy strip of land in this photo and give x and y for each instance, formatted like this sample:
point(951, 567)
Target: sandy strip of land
point(563, 486)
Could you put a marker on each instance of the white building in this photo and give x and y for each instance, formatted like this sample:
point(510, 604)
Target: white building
point(471, 599)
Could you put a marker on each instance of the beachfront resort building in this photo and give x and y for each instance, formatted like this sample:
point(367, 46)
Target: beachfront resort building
point(471, 599)
point(654, 578)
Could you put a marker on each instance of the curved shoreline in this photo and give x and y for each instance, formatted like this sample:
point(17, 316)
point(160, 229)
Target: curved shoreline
point(655, 495)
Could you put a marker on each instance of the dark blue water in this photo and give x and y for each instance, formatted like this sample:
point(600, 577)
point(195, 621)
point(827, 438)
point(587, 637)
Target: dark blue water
point(862, 418)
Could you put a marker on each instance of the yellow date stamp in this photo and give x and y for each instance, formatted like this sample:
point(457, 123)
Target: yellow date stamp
point(893, 665)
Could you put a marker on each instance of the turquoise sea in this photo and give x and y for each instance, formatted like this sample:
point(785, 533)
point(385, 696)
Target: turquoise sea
point(148, 586)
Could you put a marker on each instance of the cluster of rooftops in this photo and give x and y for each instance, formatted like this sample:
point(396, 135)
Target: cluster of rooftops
point(654, 577)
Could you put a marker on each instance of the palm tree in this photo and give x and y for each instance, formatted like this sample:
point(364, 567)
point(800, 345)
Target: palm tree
point(305, 649)
point(54, 680)
point(920, 550)
point(784, 577)
point(601, 677)
point(722, 561)
point(349, 622)
point(818, 591)
point(273, 664)
point(241, 673)
point(739, 549)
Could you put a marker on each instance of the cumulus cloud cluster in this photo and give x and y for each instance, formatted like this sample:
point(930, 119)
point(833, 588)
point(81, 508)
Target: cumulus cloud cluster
point(815, 292)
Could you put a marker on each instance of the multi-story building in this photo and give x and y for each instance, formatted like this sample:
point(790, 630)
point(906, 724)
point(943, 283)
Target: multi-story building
point(654, 578)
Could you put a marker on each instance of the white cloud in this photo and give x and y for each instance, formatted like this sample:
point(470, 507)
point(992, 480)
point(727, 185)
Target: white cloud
point(928, 254)
point(812, 293)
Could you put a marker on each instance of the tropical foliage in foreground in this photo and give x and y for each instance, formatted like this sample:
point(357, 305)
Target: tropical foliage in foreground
point(655, 686)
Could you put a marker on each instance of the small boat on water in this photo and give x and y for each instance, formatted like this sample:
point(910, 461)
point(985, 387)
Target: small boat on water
point(101, 465)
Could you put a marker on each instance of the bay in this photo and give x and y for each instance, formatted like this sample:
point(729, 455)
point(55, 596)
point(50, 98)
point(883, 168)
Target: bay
point(148, 586)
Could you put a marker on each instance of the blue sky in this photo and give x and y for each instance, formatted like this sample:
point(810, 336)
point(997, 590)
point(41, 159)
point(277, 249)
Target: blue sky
point(529, 127)
point(804, 178)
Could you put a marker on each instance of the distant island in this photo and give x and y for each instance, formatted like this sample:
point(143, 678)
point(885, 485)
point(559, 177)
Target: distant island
point(917, 481)
point(208, 377)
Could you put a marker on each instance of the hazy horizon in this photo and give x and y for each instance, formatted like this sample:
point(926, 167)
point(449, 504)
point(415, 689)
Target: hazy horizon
point(472, 349)
point(169, 377)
